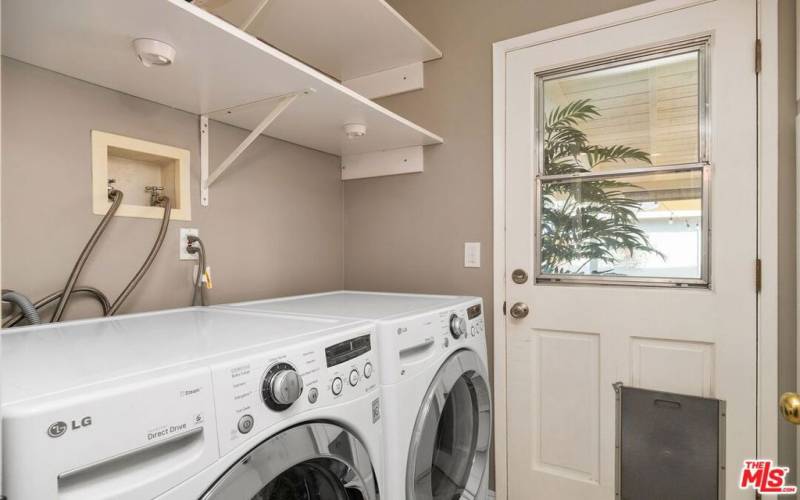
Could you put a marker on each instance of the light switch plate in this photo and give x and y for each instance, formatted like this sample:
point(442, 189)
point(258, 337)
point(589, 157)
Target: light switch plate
point(472, 254)
point(183, 241)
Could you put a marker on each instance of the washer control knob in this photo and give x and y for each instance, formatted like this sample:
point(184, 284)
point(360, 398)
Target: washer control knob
point(313, 395)
point(458, 326)
point(336, 386)
point(287, 387)
point(354, 378)
point(368, 370)
point(282, 386)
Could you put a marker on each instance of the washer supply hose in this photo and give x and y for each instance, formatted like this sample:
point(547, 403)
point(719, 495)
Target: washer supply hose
point(39, 304)
point(199, 287)
point(116, 197)
point(28, 310)
point(162, 233)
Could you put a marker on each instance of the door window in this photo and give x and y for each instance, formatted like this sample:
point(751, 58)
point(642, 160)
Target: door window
point(314, 461)
point(623, 172)
point(312, 480)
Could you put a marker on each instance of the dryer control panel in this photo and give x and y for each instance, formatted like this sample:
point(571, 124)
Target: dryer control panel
point(408, 345)
point(256, 392)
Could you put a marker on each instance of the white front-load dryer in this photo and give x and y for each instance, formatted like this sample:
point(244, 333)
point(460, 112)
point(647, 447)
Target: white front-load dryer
point(193, 403)
point(435, 382)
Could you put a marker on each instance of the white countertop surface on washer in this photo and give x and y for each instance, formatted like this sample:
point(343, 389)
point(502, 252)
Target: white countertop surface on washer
point(352, 304)
point(46, 359)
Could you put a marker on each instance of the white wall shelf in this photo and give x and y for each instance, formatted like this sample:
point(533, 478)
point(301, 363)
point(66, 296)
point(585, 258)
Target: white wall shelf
point(219, 71)
point(346, 39)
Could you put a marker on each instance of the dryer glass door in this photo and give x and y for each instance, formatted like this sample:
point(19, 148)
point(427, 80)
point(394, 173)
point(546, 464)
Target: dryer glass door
point(450, 446)
point(316, 461)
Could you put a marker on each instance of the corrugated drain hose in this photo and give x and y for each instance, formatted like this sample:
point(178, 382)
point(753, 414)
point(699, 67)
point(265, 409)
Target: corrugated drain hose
point(39, 304)
point(116, 197)
point(28, 310)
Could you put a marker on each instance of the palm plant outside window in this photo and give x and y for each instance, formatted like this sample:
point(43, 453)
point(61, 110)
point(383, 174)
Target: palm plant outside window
point(623, 173)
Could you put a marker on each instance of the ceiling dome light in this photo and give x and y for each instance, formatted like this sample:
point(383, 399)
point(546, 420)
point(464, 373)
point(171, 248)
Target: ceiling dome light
point(355, 130)
point(153, 52)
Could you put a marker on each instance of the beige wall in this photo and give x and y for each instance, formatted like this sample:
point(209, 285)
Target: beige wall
point(274, 225)
point(407, 232)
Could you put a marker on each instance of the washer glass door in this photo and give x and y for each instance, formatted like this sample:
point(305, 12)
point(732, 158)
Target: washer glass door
point(450, 445)
point(316, 461)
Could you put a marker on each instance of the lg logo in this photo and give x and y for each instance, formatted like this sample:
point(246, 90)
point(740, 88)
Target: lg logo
point(58, 429)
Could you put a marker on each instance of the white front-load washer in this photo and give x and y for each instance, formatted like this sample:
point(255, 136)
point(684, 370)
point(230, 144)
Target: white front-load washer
point(192, 403)
point(434, 375)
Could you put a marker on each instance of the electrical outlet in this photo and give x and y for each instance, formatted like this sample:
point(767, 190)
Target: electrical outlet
point(472, 254)
point(184, 241)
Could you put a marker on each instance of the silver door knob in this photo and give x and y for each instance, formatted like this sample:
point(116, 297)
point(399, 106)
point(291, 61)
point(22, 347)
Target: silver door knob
point(519, 276)
point(519, 310)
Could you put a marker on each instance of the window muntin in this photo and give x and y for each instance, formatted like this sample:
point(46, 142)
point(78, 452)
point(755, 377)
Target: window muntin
point(623, 171)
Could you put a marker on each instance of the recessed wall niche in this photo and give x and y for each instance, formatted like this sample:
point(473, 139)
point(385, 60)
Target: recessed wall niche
point(135, 165)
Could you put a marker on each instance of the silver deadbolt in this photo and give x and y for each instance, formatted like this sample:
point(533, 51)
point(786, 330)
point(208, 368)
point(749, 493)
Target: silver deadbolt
point(519, 310)
point(519, 276)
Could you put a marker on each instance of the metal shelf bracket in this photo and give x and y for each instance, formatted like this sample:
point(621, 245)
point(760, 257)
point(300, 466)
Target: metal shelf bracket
point(206, 178)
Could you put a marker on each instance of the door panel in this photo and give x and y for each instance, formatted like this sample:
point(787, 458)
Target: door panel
point(653, 363)
point(568, 386)
point(678, 318)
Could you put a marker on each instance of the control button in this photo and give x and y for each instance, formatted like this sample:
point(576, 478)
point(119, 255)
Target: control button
point(336, 386)
point(368, 370)
point(354, 377)
point(313, 394)
point(245, 424)
point(474, 331)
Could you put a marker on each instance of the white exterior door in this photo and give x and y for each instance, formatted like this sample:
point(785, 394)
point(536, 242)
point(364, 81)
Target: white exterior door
point(631, 183)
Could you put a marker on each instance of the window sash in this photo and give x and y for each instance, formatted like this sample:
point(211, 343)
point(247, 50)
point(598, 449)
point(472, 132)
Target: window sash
point(703, 281)
point(697, 44)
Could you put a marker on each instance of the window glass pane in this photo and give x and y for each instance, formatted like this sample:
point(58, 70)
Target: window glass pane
point(645, 225)
point(634, 115)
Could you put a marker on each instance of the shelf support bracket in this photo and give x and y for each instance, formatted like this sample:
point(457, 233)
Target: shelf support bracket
point(207, 179)
point(253, 15)
point(204, 160)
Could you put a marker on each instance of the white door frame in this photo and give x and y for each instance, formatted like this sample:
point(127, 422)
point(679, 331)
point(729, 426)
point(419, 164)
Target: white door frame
point(767, 432)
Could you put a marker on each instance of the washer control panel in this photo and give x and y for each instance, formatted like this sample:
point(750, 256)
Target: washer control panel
point(261, 390)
